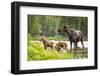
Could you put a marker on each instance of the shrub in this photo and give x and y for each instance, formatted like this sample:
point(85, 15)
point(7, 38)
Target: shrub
point(36, 52)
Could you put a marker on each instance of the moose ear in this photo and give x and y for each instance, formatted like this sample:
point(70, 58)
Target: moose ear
point(65, 26)
point(59, 30)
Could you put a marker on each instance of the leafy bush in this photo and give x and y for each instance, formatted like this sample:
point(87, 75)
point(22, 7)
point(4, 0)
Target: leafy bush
point(36, 51)
point(36, 38)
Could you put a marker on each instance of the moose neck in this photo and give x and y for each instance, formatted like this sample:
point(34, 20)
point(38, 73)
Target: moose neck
point(68, 32)
point(44, 41)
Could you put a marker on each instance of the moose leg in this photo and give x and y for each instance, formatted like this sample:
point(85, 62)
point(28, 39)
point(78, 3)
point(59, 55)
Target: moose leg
point(45, 47)
point(70, 46)
point(75, 48)
point(51, 47)
point(82, 46)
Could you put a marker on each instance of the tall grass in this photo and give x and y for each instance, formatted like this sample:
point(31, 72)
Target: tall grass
point(36, 51)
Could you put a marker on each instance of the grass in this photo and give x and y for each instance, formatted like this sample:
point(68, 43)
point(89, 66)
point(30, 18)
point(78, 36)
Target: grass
point(56, 37)
point(36, 52)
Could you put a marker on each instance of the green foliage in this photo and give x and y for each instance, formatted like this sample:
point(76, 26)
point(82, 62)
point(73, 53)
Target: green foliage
point(29, 39)
point(48, 25)
point(57, 38)
point(36, 52)
point(36, 38)
point(34, 26)
point(39, 25)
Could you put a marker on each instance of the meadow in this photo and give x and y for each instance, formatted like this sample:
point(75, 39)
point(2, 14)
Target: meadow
point(49, 26)
point(36, 51)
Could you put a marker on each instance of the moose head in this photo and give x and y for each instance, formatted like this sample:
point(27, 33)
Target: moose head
point(66, 28)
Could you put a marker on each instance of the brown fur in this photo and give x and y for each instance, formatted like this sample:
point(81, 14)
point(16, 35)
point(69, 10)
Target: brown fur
point(46, 43)
point(60, 45)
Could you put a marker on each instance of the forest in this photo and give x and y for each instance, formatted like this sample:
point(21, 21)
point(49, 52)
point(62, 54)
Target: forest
point(48, 26)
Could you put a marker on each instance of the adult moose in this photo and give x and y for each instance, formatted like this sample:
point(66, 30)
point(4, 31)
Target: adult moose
point(74, 37)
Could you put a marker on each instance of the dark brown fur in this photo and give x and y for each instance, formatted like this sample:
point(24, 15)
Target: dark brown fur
point(74, 37)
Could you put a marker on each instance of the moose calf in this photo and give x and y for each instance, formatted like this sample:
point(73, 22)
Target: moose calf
point(46, 43)
point(61, 45)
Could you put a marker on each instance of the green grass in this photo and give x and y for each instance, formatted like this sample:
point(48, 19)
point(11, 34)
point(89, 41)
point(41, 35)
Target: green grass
point(56, 37)
point(36, 52)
